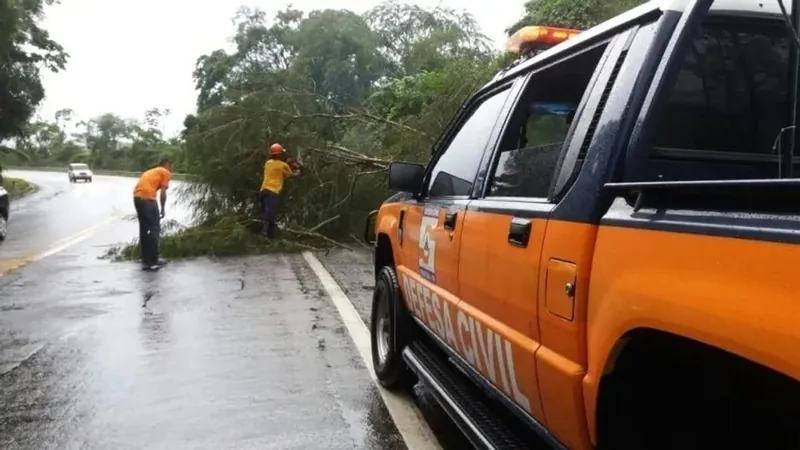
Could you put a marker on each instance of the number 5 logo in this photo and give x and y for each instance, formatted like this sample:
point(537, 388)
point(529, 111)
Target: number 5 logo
point(427, 244)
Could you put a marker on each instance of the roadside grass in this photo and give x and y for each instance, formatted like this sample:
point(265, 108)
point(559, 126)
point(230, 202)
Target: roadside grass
point(222, 237)
point(18, 188)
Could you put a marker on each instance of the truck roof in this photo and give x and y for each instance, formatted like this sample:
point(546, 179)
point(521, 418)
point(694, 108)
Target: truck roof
point(747, 7)
point(752, 8)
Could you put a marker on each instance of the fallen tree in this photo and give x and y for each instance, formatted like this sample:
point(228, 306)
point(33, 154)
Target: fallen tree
point(344, 104)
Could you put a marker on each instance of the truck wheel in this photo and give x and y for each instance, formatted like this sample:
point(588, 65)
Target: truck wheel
point(390, 328)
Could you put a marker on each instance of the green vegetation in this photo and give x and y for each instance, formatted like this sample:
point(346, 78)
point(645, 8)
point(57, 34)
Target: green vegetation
point(345, 93)
point(225, 236)
point(107, 142)
point(17, 187)
point(578, 14)
point(25, 48)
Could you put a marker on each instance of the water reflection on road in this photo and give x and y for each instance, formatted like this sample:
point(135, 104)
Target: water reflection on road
point(239, 354)
point(230, 353)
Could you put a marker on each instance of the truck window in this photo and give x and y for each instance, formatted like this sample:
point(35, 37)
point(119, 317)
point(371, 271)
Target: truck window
point(454, 172)
point(531, 146)
point(728, 106)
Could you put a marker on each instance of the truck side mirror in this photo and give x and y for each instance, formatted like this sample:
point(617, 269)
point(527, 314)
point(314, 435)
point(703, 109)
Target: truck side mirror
point(406, 177)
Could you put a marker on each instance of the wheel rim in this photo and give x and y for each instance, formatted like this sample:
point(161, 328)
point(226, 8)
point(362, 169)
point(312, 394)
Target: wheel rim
point(383, 331)
point(3, 227)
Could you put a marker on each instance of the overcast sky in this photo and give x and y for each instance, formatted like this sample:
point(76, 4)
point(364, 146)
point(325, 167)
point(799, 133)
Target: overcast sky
point(130, 55)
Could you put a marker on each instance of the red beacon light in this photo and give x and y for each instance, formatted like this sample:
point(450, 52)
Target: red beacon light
point(537, 38)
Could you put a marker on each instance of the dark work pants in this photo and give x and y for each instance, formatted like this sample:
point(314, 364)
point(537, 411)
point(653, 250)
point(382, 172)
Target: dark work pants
point(149, 229)
point(269, 212)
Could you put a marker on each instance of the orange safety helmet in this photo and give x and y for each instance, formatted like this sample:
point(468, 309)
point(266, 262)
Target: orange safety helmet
point(276, 149)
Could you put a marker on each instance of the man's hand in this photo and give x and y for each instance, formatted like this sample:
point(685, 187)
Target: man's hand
point(163, 201)
point(294, 166)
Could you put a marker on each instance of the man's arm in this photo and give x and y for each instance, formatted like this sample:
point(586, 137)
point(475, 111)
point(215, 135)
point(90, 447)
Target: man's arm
point(292, 169)
point(163, 201)
point(163, 197)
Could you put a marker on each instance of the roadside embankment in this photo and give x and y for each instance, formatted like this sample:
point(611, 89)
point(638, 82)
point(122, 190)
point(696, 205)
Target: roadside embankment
point(17, 187)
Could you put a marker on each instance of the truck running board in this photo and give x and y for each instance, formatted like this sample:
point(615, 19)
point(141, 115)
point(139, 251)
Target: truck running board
point(484, 423)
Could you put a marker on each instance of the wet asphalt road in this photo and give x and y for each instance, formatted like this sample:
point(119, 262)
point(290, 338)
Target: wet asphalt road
point(236, 353)
point(60, 210)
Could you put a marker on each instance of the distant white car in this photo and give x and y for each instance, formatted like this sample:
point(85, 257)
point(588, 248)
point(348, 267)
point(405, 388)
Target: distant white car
point(79, 171)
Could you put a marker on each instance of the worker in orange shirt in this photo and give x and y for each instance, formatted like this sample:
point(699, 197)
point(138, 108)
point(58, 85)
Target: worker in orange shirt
point(144, 199)
point(276, 171)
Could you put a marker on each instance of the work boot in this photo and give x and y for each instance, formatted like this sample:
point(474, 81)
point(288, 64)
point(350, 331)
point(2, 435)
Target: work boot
point(150, 268)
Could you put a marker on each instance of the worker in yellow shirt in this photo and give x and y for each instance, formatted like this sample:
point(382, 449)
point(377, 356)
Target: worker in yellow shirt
point(144, 200)
point(276, 171)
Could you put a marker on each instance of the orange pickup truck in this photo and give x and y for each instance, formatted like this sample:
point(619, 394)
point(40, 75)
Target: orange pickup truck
point(602, 251)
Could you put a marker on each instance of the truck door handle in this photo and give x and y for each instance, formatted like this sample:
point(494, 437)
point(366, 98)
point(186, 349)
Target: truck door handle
point(450, 221)
point(519, 232)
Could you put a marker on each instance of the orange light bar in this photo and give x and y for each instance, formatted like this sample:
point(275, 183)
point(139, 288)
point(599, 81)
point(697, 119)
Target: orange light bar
point(538, 35)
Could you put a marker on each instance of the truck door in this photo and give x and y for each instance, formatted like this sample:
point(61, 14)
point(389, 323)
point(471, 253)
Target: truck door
point(432, 225)
point(617, 106)
point(501, 271)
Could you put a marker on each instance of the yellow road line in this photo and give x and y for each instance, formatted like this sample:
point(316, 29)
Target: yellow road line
point(13, 264)
point(10, 265)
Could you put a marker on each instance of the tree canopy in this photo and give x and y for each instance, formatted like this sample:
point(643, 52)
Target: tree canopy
point(25, 48)
point(577, 14)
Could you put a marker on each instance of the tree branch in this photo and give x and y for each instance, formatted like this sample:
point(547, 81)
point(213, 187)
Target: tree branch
point(354, 157)
point(362, 116)
point(318, 236)
point(353, 187)
point(323, 223)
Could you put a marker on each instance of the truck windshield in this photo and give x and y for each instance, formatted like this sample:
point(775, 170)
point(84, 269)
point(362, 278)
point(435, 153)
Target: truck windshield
point(79, 167)
point(728, 105)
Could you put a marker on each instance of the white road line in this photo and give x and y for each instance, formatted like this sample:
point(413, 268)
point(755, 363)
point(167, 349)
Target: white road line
point(69, 241)
point(63, 244)
point(415, 431)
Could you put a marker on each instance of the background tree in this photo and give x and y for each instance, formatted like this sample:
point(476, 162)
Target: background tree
point(578, 14)
point(345, 93)
point(25, 48)
point(105, 142)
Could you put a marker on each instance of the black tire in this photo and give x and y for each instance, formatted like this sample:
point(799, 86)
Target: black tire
point(3, 226)
point(90, 180)
point(391, 370)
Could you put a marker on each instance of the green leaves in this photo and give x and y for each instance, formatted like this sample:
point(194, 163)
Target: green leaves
point(105, 142)
point(24, 48)
point(345, 93)
point(415, 39)
point(577, 14)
